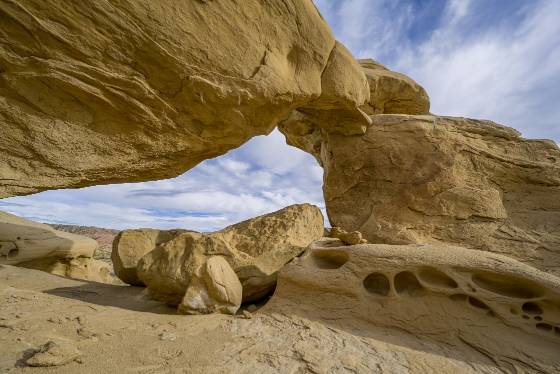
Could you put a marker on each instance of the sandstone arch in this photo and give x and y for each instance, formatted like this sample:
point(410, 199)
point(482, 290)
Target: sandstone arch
point(123, 91)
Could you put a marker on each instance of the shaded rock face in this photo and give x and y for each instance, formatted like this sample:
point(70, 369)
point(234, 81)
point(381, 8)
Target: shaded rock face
point(83, 100)
point(427, 179)
point(38, 246)
point(455, 296)
point(255, 249)
point(78, 268)
point(215, 288)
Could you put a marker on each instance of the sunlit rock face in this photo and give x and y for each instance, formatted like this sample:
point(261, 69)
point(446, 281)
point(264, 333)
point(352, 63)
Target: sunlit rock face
point(392, 92)
point(426, 179)
point(106, 92)
point(256, 249)
point(430, 179)
point(458, 299)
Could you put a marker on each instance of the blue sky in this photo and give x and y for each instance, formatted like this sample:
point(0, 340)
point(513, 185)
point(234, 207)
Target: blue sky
point(491, 59)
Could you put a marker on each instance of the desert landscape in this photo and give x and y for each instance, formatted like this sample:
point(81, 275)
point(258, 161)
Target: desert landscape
point(439, 252)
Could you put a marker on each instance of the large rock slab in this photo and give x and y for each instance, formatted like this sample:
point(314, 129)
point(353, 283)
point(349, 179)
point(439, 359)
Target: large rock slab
point(84, 268)
point(23, 240)
point(38, 246)
point(455, 296)
point(83, 100)
point(255, 249)
point(427, 179)
point(130, 245)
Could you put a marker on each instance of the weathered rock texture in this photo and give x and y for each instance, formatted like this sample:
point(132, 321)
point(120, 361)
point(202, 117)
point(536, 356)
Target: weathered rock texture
point(106, 92)
point(78, 268)
point(426, 179)
point(38, 307)
point(38, 246)
point(348, 238)
point(24, 240)
point(462, 298)
point(392, 92)
point(130, 245)
point(256, 249)
point(213, 288)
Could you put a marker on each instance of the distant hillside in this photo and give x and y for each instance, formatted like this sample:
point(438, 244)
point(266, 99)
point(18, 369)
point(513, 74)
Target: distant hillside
point(103, 236)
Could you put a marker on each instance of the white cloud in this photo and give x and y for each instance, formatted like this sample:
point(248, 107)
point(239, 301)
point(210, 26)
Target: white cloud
point(478, 58)
point(262, 176)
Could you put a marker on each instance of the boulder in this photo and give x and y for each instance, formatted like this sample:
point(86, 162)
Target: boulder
point(427, 179)
point(348, 238)
point(22, 240)
point(83, 100)
point(130, 245)
point(255, 249)
point(457, 297)
point(392, 92)
point(214, 289)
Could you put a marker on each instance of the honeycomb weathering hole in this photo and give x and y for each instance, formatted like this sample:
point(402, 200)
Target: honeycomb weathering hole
point(532, 308)
point(13, 253)
point(407, 283)
point(458, 297)
point(477, 303)
point(377, 283)
point(509, 286)
point(436, 278)
point(544, 326)
point(330, 259)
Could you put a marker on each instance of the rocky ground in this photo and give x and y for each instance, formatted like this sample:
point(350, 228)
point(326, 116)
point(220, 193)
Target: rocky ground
point(104, 328)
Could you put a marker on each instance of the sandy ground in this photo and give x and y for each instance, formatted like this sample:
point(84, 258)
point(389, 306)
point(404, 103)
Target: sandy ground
point(117, 329)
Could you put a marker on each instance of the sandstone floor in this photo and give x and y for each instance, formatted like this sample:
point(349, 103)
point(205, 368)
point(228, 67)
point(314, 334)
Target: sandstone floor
point(117, 329)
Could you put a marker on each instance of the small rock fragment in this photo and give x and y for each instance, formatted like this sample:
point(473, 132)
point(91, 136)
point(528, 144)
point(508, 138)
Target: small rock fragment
point(348, 238)
point(167, 336)
point(54, 354)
